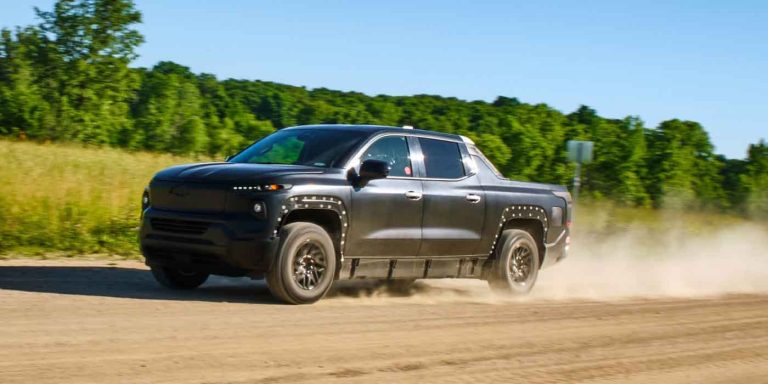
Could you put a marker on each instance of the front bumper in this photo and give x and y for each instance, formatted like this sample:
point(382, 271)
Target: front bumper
point(223, 244)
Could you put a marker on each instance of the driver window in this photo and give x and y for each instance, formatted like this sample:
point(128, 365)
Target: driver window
point(394, 151)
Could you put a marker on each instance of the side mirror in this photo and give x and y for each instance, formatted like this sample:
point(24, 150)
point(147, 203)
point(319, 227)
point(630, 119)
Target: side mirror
point(228, 158)
point(373, 169)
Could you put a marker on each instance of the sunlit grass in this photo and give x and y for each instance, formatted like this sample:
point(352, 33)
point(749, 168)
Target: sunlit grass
point(607, 217)
point(69, 198)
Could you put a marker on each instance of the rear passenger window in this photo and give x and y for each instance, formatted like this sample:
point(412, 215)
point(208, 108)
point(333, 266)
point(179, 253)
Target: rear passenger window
point(442, 159)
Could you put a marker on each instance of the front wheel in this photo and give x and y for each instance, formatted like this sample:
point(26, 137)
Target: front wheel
point(517, 263)
point(177, 278)
point(305, 264)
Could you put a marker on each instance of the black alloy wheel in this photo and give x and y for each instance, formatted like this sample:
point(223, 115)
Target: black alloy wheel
point(304, 265)
point(517, 263)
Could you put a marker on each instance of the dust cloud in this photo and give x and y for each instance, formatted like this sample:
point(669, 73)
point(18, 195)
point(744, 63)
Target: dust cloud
point(675, 263)
point(625, 264)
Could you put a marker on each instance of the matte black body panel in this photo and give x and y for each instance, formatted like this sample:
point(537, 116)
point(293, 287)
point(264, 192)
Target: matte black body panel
point(385, 223)
point(201, 215)
point(452, 225)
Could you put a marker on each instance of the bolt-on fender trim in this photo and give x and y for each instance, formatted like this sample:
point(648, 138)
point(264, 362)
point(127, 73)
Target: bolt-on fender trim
point(316, 202)
point(512, 212)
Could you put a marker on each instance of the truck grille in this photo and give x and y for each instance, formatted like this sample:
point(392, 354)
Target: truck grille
point(188, 197)
point(180, 226)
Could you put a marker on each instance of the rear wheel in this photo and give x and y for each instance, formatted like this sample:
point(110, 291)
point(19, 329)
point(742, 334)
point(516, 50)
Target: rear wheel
point(178, 278)
point(517, 263)
point(304, 267)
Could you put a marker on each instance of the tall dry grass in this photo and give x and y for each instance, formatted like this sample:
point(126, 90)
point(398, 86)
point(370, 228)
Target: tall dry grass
point(71, 199)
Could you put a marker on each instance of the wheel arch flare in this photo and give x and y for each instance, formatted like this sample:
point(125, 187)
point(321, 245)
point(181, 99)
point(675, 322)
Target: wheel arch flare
point(327, 211)
point(523, 216)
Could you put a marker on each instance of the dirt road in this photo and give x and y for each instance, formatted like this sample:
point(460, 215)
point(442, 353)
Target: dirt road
point(78, 322)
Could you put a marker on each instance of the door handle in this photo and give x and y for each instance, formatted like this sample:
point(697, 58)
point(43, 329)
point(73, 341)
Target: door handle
point(413, 195)
point(472, 198)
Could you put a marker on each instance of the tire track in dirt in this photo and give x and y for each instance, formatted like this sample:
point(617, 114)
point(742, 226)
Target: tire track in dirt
point(79, 322)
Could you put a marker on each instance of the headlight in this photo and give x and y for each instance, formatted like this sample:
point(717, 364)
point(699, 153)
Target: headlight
point(265, 187)
point(145, 202)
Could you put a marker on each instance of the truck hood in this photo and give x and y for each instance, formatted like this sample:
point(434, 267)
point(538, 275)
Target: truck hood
point(231, 172)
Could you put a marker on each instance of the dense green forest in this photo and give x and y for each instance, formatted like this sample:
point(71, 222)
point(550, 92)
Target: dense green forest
point(68, 78)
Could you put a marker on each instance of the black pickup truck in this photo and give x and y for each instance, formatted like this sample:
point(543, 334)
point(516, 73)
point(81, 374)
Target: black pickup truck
point(308, 205)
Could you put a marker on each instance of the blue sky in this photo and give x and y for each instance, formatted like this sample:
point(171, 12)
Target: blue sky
point(699, 60)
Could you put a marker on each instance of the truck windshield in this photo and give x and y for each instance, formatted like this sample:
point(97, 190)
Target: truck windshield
point(315, 147)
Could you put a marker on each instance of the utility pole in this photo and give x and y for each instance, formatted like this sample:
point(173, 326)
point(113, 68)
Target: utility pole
point(576, 181)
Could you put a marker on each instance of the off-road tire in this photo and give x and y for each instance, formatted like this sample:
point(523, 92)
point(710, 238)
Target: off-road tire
point(513, 243)
point(178, 279)
point(282, 276)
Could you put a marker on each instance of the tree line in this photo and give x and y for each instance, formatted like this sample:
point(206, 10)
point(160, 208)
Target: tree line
point(68, 78)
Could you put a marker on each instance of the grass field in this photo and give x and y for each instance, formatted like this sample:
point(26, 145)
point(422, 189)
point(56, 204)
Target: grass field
point(71, 200)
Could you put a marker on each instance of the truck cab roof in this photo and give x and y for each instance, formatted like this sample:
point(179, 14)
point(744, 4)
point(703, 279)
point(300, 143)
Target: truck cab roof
point(376, 129)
